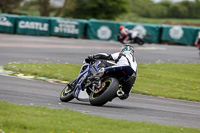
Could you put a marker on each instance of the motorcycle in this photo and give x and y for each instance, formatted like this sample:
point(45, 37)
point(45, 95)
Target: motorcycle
point(98, 86)
point(134, 37)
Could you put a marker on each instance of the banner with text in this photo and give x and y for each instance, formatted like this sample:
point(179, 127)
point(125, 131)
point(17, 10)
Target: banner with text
point(38, 26)
point(7, 23)
point(68, 27)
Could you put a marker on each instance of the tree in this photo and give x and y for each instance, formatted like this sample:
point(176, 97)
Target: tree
point(178, 11)
point(197, 8)
point(159, 11)
point(61, 9)
point(100, 9)
point(143, 8)
point(7, 6)
point(166, 7)
point(44, 7)
point(190, 7)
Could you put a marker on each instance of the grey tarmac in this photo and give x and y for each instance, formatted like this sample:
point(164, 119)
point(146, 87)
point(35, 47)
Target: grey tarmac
point(31, 49)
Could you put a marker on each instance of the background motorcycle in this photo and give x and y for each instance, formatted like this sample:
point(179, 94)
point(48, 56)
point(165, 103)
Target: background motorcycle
point(99, 89)
point(134, 37)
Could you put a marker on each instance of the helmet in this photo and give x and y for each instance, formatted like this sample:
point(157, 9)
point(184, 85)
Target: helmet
point(127, 48)
point(121, 27)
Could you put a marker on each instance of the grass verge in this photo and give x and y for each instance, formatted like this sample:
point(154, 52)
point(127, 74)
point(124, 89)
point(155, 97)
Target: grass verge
point(159, 21)
point(180, 81)
point(31, 119)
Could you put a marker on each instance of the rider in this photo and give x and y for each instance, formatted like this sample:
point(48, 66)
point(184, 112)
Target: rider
point(197, 43)
point(123, 58)
point(124, 34)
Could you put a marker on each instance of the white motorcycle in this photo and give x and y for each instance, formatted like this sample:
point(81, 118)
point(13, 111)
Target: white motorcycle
point(134, 37)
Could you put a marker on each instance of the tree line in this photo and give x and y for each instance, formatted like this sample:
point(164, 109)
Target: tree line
point(166, 9)
point(106, 9)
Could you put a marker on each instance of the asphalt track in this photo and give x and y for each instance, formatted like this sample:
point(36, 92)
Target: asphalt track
point(31, 49)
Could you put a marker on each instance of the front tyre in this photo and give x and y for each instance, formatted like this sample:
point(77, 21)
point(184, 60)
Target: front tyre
point(67, 93)
point(107, 92)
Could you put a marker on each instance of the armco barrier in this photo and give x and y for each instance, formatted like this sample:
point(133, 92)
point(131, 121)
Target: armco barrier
point(7, 23)
point(38, 26)
point(149, 32)
point(68, 27)
point(102, 30)
point(179, 34)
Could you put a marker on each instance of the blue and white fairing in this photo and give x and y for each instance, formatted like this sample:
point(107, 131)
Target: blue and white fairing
point(121, 73)
point(81, 94)
point(86, 69)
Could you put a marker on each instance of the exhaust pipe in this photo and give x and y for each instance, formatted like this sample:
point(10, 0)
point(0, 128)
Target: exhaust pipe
point(120, 93)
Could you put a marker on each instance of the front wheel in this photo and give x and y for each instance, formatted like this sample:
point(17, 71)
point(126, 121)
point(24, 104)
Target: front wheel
point(106, 93)
point(67, 93)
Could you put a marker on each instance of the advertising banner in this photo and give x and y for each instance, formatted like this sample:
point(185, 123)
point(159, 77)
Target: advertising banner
point(68, 27)
point(149, 32)
point(38, 26)
point(179, 34)
point(102, 30)
point(108, 30)
point(7, 23)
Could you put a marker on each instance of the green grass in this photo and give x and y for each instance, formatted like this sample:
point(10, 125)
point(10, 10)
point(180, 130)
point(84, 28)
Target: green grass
point(160, 21)
point(29, 13)
point(32, 119)
point(135, 19)
point(33, 12)
point(66, 72)
point(180, 81)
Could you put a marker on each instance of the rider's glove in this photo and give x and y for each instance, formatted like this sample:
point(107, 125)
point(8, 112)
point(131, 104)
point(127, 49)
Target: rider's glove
point(91, 57)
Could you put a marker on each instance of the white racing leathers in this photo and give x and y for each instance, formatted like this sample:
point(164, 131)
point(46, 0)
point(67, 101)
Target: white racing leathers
point(125, 60)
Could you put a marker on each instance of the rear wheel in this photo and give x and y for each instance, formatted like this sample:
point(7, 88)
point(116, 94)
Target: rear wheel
point(106, 93)
point(67, 93)
point(139, 41)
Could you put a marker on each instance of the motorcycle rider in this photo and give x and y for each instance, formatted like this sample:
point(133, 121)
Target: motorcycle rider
point(197, 43)
point(129, 36)
point(124, 34)
point(123, 58)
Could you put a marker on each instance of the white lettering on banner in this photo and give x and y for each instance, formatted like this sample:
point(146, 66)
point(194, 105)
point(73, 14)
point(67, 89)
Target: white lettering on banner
point(66, 26)
point(33, 25)
point(104, 32)
point(5, 22)
point(142, 31)
point(67, 22)
point(176, 32)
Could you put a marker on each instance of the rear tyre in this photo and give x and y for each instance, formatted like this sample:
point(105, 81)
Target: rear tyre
point(106, 93)
point(67, 93)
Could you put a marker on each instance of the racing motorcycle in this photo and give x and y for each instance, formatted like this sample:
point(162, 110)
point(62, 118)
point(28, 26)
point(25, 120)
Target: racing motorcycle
point(134, 37)
point(97, 86)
